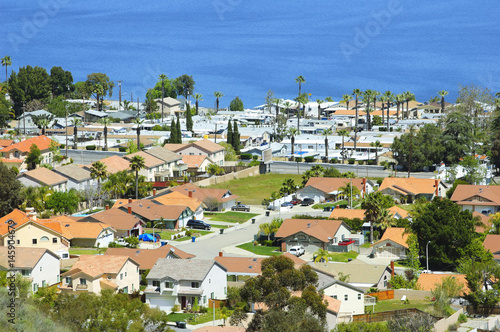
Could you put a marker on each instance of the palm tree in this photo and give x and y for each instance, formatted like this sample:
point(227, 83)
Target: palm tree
point(117, 184)
point(105, 121)
point(375, 95)
point(347, 190)
point(327, 132)
point(343, 133)
point(399, 101)
point(385, 220)
point(442, 94)
point(356, 93)
point(217, 95)
point(137, 121)
point(76, 122)
point(162, 77)
point(389, 98)
point(292, 132)
point(321, 255)
point(319, 101)
point(408, 96)
point(300, 79)
point(287, 106)
point(376, 145)
point(372, 208)
point(301, 99)
point(197, 97)
point(346, 99)
point(367, 98)
point(267, 229)
point(6, 61)
point(136, 164)
point(98, 171)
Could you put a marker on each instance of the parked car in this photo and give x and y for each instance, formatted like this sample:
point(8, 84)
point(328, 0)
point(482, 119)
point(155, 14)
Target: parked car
point(198, 224)
point(288, 204)
point(122, 242)
point(307, 201)
point(296, 201)
point(241, 207)
point(297, 250)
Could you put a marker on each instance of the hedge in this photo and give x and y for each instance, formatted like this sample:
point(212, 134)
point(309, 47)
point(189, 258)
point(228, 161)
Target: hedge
point(246, 156)
point(122, 149)
point(351, 161)
point(298, 159)
point(309, 159)
point(90, 147)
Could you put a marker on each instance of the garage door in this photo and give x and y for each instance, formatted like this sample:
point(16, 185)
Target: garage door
point(310, 248)
point(388, 252)
point(165, 304)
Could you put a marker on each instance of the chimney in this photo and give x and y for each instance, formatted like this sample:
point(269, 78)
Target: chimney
point(392, 268)
point(220, 253)
point(129, 210)
point(129, 200)
point(190, 193)
point(154, 191)
point(363, 184)
point(107, 207)
point(32, 215)
point(436, 184)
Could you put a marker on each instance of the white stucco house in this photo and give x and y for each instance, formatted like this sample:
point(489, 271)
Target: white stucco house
point(322, 189)
point(78, 177)
point(181, 281)
point(39, 265)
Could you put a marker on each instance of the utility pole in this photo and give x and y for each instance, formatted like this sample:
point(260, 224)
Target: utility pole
point(120, 96)
point(24, 119)
point(411, 145)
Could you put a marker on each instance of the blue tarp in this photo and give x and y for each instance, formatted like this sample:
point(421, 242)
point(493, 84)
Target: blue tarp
point(149, 237)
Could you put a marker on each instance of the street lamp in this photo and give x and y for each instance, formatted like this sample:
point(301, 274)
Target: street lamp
point(427, 254)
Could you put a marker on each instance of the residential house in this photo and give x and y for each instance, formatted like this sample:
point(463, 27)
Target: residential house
point(146, 258)
point(357, 273)
point(93, 273)
point(172, 163)
point(492, 244)
point(180, 281)
point(15, 154)
point(152, 165)
point(277, 149)
point(429, 281)
point(486, 224)
point(171, 106)
point(176, 198)
point(145, 142)
point(214, 199)
point(115, 164)
point(395, 211)
point(39, 265)
point(86, 234)
point(392, 244)
point(312, 234)
point(477, 198)
point(43, 177)
point(125, 224)
point(172, 216)
point(196, 164)
point(34, 233)
point(213, 151)
point(321, 189)
point(26, 123)
point(410, 189)
point(95, 116)
point(5, 143)
point(78, 177)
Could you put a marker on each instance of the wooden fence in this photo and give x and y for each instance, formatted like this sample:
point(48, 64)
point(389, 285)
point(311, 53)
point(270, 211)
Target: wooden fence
point(383, 295)
point(482, 311)
point(388, 315)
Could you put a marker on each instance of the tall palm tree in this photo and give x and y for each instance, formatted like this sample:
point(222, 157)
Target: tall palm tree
point(385, 219)
point(442, 94)
point(389, 98)
point(197, 98)
point(105, 121)
point(76, 122)
point(408, 97)
point(287, 106)
point(346, 98)
point(367, 98)
point(375, 95)
point(343, 133)
point(217, 95)
point(162, 77)
point(137, 121)
point(136, 164)
point(117, 184)
point(376, 145)
point(399, 101)
point(356, 93)
point(98, 171)
point(292, 131)
point(6, 61)
point(300, 79)
point(319, 101)
point(301, 99)
point(327, 132)
point(372, 208)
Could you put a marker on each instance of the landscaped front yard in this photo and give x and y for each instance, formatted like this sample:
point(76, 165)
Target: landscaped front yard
point(231, 216)
point(397, 304)
point(164, 234)
point(260, 250)
point(343, 256)
point(199, 318)
point(196, 233)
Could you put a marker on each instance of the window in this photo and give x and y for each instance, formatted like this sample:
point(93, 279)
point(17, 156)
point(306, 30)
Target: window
point(43, 283)
point(195, 285)
point(156, 283)
point(334, 296)
point(25, 273)
point(125, 290)
point(65, 256)
point(346, 297)
point(40, 269)
point(169, 284)
point(18, 241)
point(212, 295)
point(33, 241)
point(121, 276)
point(68, 280)
point(132, 287)
point(83, 281)
point(58, 278)
point(54, 240)
point(204, 299)
point(35, 287)
point(359, 296)
point(225, 290)
point(125, 273)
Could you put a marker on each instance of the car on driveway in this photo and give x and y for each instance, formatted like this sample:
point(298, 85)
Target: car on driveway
point(297, 250)
point(241, 207)
point(296, 201)
point(307, 202)
point(198, 224)
point(287, 204)
point(122, 242)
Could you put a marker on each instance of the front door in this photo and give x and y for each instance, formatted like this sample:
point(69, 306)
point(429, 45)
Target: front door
point(183, 302)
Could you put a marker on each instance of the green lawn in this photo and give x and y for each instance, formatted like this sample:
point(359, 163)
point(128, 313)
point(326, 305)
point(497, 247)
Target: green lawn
point(397, 304)
point(165, 235)
point(407, 207)
point(185, 238)
point(235, 217)
point(343, 256)
point(260, 250)
point(83, 251)
point(321, 206)
point(366, 245)
point(198, 318)
point(255, 188)
point(179, 317)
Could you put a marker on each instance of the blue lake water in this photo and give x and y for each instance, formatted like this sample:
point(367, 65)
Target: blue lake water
point(245, 48)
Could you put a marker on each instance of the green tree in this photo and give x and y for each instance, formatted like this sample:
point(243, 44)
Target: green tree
point(29, 84)
point(372, 206)
point(77, 122)
point(198, 97)
point(99, 85)
point(218, 95)
point(61, 82)
point(236, 105)
point(5, 111)
point(230, 137)
point(326, 132)
point(105, 122)
point(214, 169)
point(408, 96)
point(444, 293)
point(236, 138)
point(136, 164)
point(64, 202)
point(10, 190)
point(347, 189)
point(189, 119)
point(356, 93)
point(42, 121)
point(442, 94)
point(343, 133)
point(319, 101)
point(184, 85)
point(98, 171)
point(474, 174)
point(34, 157)
point(292, 132)
point(377, 145)
point(457, 136)
point(6, 62)
point(138, 122)
point(301, 100)
point(322, 255)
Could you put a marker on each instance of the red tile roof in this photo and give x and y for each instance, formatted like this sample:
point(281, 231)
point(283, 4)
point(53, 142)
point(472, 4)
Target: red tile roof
point(476, 195)
point(147, 257)
point(320, 229)
point(42, 142)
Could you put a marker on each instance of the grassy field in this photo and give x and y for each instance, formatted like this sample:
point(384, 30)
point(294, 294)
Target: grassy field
point(260, 250)
point(83, 251)
point(234, 217)
point(185, 238)
point(254, 188)
point(343, 256)
point(394, 304)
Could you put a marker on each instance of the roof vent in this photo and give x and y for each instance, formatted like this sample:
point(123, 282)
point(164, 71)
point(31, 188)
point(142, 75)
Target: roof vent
point(138, 252)
point(67, 225)
point(255, 259)
point(308, 225)
point(250, 266)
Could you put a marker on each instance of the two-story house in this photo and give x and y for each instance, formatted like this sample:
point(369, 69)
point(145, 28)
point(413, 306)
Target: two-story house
point(205, 147)
point(39, 265)
point(78, 177)
point(16, 154)
point(172, 163)
point(93, 273)
point(181, 281)
point(477, 198)
point(43, 177)
point(152, 165)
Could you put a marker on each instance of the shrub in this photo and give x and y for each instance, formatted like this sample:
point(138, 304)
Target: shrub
point(462, 318)
point(122, 149)
point(372, 162)
point(62, 146)
point(90, 147)
point(203, 310)
point(298, 159)
point(382, 129)
point(333, 160)
point(175, 308)
point(246, 156)
point(361, 162)
point(269, 243)
point(351, 161)
point(255, 157)
point(188, 233)
point(309, 159)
